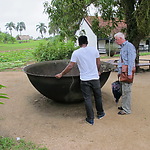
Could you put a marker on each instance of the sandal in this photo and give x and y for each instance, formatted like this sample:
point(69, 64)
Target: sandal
point(121, 113)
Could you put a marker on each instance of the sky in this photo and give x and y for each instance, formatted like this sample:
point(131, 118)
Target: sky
point(28, 11)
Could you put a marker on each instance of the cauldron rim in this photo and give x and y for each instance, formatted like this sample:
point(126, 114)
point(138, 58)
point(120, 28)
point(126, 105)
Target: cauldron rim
point(25, 69)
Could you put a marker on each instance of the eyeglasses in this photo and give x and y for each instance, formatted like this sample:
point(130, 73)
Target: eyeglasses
point(116, 39)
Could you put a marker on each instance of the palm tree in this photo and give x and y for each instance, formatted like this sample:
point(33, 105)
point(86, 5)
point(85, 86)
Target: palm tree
point(10, 26)
point(20, 27)
point(42, 28)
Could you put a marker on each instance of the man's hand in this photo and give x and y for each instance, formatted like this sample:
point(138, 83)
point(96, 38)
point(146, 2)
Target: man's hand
point(130, 76)
point(119, 76)
point(66, 70)
point(59, 75)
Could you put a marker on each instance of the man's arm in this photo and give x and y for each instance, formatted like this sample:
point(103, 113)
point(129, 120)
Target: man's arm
point(98, 62)
point(66, 70)
point(131, 58)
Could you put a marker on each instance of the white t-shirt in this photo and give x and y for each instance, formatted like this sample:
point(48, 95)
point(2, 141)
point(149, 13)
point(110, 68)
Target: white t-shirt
point(86, 61)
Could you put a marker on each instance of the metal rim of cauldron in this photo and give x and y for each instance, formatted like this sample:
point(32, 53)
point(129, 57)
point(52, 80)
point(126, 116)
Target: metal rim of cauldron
point(32, 65)
point(25, 69)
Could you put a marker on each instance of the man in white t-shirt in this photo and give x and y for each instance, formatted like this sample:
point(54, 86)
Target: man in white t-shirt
point(88, 62)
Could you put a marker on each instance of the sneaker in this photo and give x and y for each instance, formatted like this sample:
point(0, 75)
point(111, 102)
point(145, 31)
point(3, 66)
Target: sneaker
point(120, 108)
point(90, 121)
point(101, 115)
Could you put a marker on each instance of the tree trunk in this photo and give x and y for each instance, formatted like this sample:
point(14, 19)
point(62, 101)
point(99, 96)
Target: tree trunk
point(11, 32)
point(132, 30)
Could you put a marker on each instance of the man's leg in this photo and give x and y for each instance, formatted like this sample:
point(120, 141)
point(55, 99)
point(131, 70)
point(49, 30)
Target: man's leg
point(86, 91)
point(126, 97)
point(98, 96)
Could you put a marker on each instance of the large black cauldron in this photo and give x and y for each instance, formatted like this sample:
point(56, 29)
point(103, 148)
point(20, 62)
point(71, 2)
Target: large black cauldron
point(66, 89)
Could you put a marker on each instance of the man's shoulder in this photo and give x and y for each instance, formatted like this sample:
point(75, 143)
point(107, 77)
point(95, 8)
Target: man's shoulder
point(77, 50)
point(85, 49)
point(129, 43)
point(91, 47)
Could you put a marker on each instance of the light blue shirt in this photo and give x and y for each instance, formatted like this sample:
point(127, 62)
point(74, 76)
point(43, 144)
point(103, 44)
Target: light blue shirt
point(128, 55)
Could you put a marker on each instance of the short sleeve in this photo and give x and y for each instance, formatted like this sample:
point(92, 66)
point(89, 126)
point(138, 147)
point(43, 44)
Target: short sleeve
point(73, 57)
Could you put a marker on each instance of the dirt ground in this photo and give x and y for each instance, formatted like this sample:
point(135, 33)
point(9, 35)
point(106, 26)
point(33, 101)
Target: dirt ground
point(33, 117)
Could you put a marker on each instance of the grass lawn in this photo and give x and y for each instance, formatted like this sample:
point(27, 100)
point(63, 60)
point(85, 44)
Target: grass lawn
point(7, 143)
point(20, 45)
point(17, 54)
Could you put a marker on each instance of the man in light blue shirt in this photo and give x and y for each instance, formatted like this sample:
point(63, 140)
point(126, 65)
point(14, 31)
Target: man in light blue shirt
point(127, 57)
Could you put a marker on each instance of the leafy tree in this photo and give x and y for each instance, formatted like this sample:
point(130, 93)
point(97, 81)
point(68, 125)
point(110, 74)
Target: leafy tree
point(53, 28)
point(20, 27)
point(10, 26)
point(42, 28)
point(67, 15)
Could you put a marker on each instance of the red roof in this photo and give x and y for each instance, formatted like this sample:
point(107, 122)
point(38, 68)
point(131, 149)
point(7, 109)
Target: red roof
point(102, 23)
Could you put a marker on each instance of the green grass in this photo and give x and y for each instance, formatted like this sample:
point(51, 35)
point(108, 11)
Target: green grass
point(16, 58)
point(17, 54)
point(20, 46)
point(144, 53)
point(7, 143)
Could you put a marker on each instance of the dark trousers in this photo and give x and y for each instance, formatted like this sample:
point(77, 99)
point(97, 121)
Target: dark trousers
point(87, 87)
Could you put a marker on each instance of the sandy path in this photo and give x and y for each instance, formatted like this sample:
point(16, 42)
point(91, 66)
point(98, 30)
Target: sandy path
point(31, 116)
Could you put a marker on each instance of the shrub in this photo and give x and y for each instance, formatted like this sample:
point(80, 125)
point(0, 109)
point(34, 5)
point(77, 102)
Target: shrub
point(6, 38)
point(55, 49)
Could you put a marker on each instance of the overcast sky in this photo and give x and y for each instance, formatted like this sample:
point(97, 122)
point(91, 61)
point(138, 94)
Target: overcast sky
point(28, 11)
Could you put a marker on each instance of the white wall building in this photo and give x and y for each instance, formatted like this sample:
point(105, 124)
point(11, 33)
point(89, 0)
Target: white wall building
point(86, 30)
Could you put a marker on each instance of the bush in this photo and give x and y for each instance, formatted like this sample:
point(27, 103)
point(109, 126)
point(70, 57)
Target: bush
point(55, 49)
point(6, 38)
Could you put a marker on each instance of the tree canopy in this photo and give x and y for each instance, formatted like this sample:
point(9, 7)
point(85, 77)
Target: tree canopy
point(42, 28)
point(10, 26)
point(20, 27)
point(66, 15)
